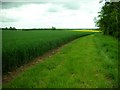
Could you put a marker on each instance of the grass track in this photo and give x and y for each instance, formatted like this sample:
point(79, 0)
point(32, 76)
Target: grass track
point(87, 62)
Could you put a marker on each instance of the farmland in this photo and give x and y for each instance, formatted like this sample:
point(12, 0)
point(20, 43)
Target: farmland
point(60, 44)
point(19, 47)
point(87, 62)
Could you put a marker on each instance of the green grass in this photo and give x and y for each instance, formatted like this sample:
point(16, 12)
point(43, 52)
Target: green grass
point(83, 63)
point(20, 47)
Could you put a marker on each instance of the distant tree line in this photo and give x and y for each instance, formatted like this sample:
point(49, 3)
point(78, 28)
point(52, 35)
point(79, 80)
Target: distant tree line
point(10, 28)
point(53, 28)
point(109, 19)
point(13, 28)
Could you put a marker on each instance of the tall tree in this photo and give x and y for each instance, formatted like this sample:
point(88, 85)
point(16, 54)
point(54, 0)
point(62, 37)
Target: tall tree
point(109, 19)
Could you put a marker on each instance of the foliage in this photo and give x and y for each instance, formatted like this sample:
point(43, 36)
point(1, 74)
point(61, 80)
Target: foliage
point(109, 19)
point(53, 28)
point(11, 28)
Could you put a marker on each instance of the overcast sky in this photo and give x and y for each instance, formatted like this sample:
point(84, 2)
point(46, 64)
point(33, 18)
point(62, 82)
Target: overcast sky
point(48, 13)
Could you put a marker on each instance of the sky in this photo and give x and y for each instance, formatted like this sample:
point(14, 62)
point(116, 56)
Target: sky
point(48, 13)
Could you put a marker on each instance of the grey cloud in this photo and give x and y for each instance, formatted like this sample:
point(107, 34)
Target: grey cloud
point(71, 6)
point(46, 1)
point(52, 10)
point(7, 5)
point(68, 4)
point(36, 0)
point(6, 19)
point(56, 7)
point(0, 5)
point(64, 5)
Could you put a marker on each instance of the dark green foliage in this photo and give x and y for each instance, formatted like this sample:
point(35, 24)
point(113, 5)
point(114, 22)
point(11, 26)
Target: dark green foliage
point(20, 47)
point(109, 19)
point(53, 28)
point(11, 28)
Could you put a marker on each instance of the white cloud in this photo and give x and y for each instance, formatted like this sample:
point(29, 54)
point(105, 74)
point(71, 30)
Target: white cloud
point(64, 14)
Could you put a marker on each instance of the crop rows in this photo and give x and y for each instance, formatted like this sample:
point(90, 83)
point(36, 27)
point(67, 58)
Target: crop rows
point(19, 47)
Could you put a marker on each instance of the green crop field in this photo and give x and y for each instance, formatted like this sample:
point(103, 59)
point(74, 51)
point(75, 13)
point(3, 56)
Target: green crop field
point(20, 47)
point(54, 44)
point(87, 62)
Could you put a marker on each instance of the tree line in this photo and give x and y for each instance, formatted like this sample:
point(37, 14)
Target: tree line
point(13, 28)
point(10, 28)
point(52, 28)
point(109, 19)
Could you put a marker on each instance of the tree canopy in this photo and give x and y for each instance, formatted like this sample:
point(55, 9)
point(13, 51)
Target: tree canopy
point(109, 19)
